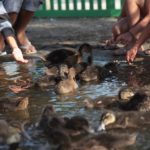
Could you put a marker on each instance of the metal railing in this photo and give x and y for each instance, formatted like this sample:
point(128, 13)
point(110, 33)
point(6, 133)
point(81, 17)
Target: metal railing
point(80, 8)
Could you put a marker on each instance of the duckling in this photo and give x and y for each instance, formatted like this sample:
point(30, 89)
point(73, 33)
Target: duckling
point(140, 101)
point(70, 56)
point(9, 135)
point(125, 94)
point(67, 85)
point(92, 73)
point(107, 141)
point(7, 105)
point(78, 124)
point(103, 141)
point(53, 76)
point(101, 102)
point(50, 121)
point(112, 120)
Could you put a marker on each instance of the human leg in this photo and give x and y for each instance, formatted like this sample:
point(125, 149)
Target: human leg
point(24, 17)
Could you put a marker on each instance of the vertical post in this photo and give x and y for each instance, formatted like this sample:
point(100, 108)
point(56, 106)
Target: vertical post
point(83, 4)
point(110, 4)
point(75, 4)
point(59, 4)
point(99, 4)
point(52, 4)
point(91, 4)
point(67, 4)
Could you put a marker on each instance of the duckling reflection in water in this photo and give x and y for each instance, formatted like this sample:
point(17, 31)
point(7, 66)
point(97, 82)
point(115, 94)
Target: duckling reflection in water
point(68, 85)
point(70, 56)
point(20, 104)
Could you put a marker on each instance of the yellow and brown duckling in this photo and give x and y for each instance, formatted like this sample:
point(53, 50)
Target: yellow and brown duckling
point(112, 120)
point(20, 104)
point(125, 94)
point(67, 85)
point(129, 100)
point(70, 56)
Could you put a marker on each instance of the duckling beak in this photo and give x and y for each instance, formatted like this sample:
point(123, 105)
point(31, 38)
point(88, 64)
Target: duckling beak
point(101, 127)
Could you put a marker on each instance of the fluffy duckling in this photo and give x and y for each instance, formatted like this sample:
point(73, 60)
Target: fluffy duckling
point(92, 73)
point(67, 85)
point(97, 73)
point(107, 141)
point(112, 120)
point(101, 102)
point(9, 135)
point(53, 76)
point(140, 101)
point(103, 141)
point(50, 119)
point(76, 125)
point(70, 56)
point(21, 104)
point(125, 94)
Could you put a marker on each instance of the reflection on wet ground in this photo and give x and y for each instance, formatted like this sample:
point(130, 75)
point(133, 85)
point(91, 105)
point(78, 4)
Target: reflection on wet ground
point(136, 76)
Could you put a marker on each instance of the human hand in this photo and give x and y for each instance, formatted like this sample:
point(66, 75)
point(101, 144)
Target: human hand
point(124, 38)
point(131, 54)
point(18, 56)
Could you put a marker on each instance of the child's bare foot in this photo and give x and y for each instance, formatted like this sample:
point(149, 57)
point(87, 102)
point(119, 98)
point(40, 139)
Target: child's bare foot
point(18, 56)
point(25, 44)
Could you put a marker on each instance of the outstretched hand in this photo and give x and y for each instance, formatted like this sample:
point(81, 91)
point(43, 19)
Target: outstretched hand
point(131, 54)
point(18, 56)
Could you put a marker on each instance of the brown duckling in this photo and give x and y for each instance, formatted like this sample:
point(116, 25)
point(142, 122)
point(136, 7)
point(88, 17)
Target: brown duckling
point(140, 101)
point(67, 85)
point(53, 76)
point(92, 73)
point(103, 141)
point(21, 104)
point(50, 120)
point(9, 135)
point(70, 56)
point(97, 73)
point(112, 120)
point(101, 102)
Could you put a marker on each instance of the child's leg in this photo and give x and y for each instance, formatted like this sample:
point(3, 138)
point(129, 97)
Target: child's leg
point(130, 16)
point(2, 43)
point(24, 17)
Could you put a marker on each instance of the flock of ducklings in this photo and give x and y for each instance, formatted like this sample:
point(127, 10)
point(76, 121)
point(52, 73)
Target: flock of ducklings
point(63, 68)
point(66, 67)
